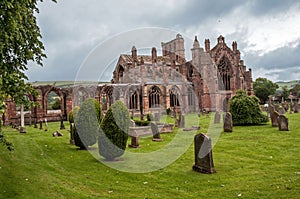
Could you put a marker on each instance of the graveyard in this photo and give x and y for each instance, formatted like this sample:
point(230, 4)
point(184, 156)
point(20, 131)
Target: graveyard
point(256, 161)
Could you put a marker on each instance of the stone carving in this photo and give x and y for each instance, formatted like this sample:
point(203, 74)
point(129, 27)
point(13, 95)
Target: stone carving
point(203, 154)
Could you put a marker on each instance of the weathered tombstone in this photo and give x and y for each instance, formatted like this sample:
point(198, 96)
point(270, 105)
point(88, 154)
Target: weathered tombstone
point(72, 129)
point(41, 124)
point(296, 107)
point(276, 107)
point(134, 141)
point(281, 111)
point(228, 125)
point(35, 123)
point(155, 132)
point(132, 123)
point(283, 123)
point(182, 121)
point(203, 154)
point(46, 125)
point(274, 119)
point(217, 118)
point(291, 108)
point(57, 134)
point(156, 117)
point(62, 126)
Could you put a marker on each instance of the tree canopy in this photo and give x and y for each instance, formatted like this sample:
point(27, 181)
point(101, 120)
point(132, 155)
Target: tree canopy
point(263, 88)
point(20, 43)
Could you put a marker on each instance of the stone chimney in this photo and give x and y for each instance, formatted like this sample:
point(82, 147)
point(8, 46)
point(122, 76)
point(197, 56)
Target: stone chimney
point(154, 55)
point(207, 45)
point(234, 46)
point(134, 53)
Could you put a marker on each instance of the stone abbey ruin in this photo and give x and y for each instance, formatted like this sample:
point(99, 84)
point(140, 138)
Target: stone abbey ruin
point(154, 83)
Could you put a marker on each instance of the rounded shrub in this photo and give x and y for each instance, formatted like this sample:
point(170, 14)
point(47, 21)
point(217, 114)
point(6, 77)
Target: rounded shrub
point(72, 113)
point(245, 110)
point(113, 134)
point(87, 123)
point(150, 117)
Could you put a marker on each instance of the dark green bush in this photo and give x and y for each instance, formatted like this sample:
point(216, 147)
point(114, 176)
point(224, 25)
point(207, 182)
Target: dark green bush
point(72, 113)
point(168, 111)
point(113, 133)
point(141, 123)
point(245, 110)
point(87, 124)
point(150, 117)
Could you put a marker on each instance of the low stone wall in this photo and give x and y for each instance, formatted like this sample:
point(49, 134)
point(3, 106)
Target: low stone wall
point(146, 130)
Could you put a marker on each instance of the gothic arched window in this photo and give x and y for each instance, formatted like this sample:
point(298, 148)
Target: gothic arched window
point(224, 74)
point(133, 100)
point(174, 97)
point(154, 97)
point(191, 97)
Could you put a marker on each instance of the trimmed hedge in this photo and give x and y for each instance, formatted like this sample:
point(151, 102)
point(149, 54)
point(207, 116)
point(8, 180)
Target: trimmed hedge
point(87, 123)
point(245, 110)
point(113, 134)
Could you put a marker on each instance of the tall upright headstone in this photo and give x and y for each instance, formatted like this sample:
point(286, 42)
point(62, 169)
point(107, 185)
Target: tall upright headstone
point(217, 118)
point(228, 125)
point(283, 123)
point(274, 118)
point(155, 132)
point(203, 154)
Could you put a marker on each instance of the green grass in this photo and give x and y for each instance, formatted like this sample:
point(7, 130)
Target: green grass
point(251, 162)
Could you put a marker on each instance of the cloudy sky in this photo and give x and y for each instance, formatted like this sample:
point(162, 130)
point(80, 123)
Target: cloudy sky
point(75, 31)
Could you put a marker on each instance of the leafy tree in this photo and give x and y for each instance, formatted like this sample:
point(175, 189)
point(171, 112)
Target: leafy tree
point(245, 110)
point(113, 135)
point(285, 92)
point(56, 104)
point(296, 90)
point(263, 88)
point(19, 43)
point(87, 124)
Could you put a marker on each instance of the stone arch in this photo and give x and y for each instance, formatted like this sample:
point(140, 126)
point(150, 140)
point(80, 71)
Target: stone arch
point(224, 73)
point(58, 92)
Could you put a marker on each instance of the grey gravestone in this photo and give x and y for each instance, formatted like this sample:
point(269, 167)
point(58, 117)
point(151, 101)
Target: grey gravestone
point(156, 117)
point(62, 126)
point(296, 107)
point(203, 154)
point(132, 123)
point(155, 132)
point(57, 134)
point(291, 108)
point(276, 107)
point(72, 141)
point(35, 124)
point(134, 141)
point(283, 123)
point(217, 118)
point(228, 123)
point(274, 118)
point(41, 124)
point(182, 121)
point(281, 111)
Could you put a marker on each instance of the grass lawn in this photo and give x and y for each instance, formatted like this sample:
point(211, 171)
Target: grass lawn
point(251, 162)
